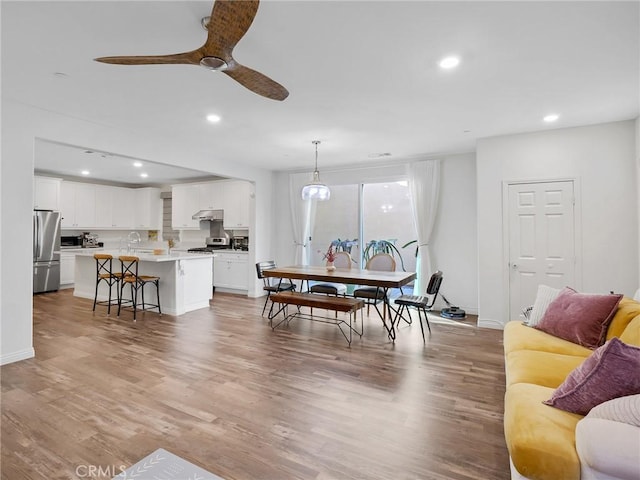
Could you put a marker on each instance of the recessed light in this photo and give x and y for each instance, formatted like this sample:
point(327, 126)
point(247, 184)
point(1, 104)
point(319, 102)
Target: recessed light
point(449, 62)
point(144, 175)
point(552, 117)
point(137, 164)
point(213, 118)
point(85, 172)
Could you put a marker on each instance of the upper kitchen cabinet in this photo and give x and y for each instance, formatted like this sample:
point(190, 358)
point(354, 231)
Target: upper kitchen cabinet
point(210, 196)
point(147, 208)
point(77, 205)
point(233, 196)
point(237, 204)
point(46, 193)
point(185, 201)
point(114, 207)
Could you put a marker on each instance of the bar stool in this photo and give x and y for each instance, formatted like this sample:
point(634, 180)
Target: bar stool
point(105, 273)
point(129, 276)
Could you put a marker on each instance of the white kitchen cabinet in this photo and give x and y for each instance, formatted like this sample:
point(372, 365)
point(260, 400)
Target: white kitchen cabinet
point(210, 196)
point(185, 201)
point(147, 208)
point(196, 283)
point(123, 208)
point(104, 206)
point(230, 270)
point(77, 205)
point(67, 269)
point(46, 193)
point(114, 207)
point(237, 204)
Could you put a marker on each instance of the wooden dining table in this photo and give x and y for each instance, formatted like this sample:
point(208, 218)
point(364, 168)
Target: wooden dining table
point(350, 276)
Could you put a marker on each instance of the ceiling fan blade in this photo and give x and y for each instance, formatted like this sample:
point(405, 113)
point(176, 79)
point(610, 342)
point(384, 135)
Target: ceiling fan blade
point(192, 58)
point(257, 82)
point(229, 21)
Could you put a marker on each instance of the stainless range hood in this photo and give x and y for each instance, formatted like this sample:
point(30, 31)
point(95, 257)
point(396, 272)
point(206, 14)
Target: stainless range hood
point(208, 215)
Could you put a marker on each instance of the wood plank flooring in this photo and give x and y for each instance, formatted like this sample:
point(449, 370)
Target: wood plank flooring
point(219, 388)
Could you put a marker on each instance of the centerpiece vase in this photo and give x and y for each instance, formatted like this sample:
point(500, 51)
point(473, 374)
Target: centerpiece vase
point(330, 267)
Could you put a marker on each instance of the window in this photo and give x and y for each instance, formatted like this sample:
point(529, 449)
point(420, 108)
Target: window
point(385, 215)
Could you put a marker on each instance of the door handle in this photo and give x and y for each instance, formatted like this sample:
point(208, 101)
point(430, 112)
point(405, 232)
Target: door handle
point(514, 266)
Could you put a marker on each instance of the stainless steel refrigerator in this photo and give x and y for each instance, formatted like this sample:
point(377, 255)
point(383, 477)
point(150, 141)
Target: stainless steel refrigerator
point(46, 251)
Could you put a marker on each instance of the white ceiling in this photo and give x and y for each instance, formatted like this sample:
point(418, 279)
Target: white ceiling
point(362, 75)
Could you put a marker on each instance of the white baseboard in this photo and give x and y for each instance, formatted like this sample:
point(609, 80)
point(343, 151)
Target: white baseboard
point(12, 357)
point(490, 323)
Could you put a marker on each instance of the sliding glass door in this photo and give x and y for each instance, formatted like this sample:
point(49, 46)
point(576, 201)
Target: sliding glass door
point(383, 210)
point(337, 219)
point(388, 222)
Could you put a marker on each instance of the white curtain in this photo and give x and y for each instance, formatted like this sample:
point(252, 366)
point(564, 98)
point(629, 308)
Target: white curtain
point(424, 184)
point(302, 217)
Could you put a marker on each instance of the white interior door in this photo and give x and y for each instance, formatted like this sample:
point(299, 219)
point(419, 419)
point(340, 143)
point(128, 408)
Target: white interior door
point(541, 232)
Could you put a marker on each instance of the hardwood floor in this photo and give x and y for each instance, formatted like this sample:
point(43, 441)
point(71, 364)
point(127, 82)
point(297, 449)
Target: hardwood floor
point(219, 388)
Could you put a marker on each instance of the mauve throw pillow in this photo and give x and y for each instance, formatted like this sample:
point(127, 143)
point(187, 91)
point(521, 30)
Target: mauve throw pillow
point(581, 318)
point(611, 371)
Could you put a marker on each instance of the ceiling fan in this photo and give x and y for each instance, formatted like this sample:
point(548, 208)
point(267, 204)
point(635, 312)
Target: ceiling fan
point(229, 21)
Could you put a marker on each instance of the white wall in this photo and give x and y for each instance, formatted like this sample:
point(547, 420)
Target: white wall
point(638, 180)
point(21, 125)
point(454, 236)
point(601, 158)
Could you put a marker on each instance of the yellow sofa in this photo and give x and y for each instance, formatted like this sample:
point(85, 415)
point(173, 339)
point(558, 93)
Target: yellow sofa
point(541, 438)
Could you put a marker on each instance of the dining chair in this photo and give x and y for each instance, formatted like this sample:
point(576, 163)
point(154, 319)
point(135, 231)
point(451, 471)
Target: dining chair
point(342, 260)
point(381, 262)
point(422, 303)
point(271, 284)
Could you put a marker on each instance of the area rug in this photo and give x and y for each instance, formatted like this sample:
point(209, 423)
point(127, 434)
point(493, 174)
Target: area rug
point(163, 465)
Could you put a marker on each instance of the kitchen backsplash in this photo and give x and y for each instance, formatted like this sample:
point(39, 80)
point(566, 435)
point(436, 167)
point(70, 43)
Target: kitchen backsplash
point(188, 238)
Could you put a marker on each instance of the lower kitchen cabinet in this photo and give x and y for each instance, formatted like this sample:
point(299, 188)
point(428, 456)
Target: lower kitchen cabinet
point(230, 271)
point(67, 269)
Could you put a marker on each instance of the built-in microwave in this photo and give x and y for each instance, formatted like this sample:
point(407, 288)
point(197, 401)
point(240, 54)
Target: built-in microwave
point(70, 241)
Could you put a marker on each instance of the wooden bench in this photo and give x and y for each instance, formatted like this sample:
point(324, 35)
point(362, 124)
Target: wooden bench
point(337, 304)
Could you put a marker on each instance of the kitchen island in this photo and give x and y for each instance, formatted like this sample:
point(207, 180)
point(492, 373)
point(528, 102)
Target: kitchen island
point(185, 278)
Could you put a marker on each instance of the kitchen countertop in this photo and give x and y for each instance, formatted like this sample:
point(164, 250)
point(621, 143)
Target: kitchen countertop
point(147, 257)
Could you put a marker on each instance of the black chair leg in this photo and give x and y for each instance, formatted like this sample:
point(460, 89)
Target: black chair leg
point(157, 282)
point(134, 297)
point(120, 297)
point(426, 317)
point(421, 327)
point(264, 307)
point(95, 296)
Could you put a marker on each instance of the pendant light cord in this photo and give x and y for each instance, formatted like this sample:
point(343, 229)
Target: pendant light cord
point(316, 142)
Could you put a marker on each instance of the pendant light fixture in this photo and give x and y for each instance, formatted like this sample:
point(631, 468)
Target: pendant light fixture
point(316, 190)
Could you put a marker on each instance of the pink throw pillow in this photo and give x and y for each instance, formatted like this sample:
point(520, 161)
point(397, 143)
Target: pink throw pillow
point(611, 371)
point(581, 318)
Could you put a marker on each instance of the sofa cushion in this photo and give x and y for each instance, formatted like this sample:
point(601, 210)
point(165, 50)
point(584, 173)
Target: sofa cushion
point(518, 336)
point(544, 296)
point(581, 318)
point(608, 449)
point(540, 368)
point(623, 409)
point(631, 334)
point(540, 438)
point(612, 371)
point(628, 309)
